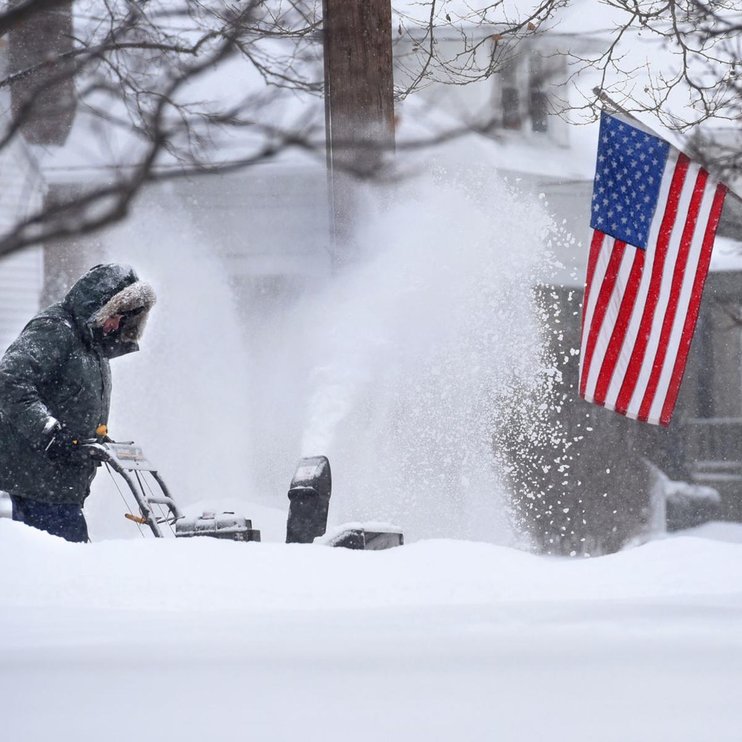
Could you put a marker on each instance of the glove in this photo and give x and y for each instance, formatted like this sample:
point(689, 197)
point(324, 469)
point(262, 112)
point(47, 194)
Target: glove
point(102, 434)
point(62, 444)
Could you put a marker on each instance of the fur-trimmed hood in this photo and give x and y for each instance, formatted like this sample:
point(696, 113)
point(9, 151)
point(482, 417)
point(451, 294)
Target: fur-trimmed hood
point(136, 300)
point(104, 292)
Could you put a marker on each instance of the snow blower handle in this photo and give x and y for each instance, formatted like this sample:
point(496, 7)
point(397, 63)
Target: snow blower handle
point(94, 449)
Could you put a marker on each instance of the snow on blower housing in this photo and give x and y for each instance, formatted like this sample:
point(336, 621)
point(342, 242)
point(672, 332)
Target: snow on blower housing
point(309, 502)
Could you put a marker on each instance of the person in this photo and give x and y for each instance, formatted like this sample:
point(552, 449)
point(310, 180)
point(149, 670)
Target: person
point(55, 391)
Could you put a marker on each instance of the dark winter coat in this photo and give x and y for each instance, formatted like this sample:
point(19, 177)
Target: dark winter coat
point(58, 369)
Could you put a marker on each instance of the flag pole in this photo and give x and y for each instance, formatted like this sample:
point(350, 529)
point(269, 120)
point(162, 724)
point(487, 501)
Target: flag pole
point(604, 98)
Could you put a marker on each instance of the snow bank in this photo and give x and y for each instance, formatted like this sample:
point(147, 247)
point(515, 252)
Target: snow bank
point(440, 640)
point(213, 575)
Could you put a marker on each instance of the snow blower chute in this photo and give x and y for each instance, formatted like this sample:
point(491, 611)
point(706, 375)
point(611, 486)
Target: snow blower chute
point(309, 502)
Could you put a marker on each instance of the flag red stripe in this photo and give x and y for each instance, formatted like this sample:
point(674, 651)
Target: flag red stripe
point(675, 288)
point(620, 328)
point(642, 339)
point(592, 261)
point(694, 306)
point(601, 307)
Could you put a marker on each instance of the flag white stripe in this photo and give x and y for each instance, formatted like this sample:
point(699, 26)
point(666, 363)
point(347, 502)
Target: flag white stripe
point(664, 294)
point(609, 320)
point(689, 278)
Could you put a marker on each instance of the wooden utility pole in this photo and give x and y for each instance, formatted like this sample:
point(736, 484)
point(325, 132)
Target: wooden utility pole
point(359, 104)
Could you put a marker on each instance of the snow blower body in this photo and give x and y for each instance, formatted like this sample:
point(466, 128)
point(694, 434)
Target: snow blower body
point(157, 508)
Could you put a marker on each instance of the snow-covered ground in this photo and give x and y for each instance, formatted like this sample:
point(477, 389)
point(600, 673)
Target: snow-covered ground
point(438, 640)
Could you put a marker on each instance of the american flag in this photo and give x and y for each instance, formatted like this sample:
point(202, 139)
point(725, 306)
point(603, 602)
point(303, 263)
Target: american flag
point(654, 217)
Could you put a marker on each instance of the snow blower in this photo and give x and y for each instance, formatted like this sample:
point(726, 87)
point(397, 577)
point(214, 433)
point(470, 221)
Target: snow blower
point(309, 501)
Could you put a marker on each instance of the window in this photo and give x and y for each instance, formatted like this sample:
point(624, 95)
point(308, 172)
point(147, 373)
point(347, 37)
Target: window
point(523, 97)
point(537, 102)
point(511, 116)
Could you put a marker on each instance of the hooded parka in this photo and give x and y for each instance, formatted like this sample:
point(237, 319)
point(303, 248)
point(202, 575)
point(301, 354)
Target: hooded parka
point(58, 370)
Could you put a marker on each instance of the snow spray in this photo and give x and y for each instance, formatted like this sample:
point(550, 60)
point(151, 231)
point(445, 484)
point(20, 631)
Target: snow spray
point(393, 369)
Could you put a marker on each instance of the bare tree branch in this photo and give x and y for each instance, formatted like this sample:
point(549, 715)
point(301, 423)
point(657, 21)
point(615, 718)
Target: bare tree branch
point(143, 71)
